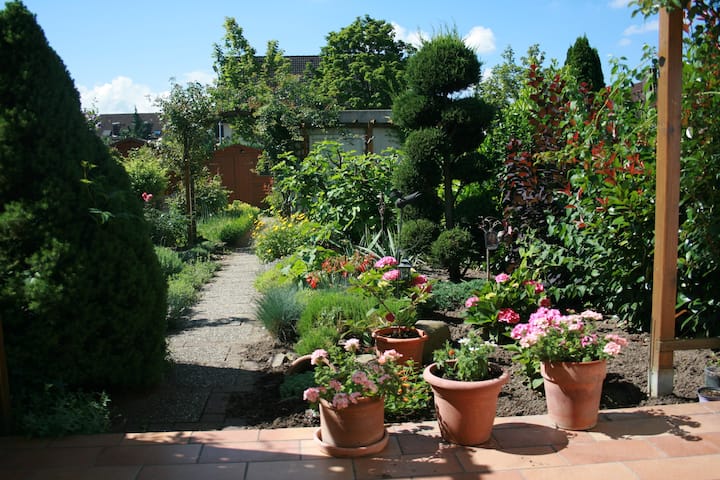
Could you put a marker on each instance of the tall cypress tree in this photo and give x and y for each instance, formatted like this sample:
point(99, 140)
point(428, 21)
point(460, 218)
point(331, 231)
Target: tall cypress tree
point(584, 63)
point(82, 297)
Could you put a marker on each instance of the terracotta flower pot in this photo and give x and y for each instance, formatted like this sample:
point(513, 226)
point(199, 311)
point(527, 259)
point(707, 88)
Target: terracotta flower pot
point(411, 348)
point(572, 392)
point(356, 430)
point(465, 410)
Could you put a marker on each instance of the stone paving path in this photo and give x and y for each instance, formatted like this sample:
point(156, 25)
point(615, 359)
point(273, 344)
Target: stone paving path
point(213, 355)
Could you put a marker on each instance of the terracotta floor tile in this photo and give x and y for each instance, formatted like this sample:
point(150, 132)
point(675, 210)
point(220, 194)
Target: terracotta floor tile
point(697, 468)
point(500, 475)
point(632, 428)
point(331, 469)
point(304, 433)
point(421, 428)
point(674, 446)
point(225, 436)
point(529, 435)
point(488, 459)
point(509, 422)
point(129, 472)
point(149, 455)
point(310, 449)
point(177, 438)
point(411, 443)
point(49, 457)
point(406, 466)
point(23, 442)
point(696, 424)
point(208, 471)
point(602, 471)
point(251, 452)
point(617, 451)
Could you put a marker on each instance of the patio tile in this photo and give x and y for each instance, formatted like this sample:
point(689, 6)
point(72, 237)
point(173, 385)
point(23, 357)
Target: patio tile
point(49, 457)
point(224, 436)
point(406, 466)
point(529, 435)
point(320, 469)
point(412, 443)
point(101, 440)
point(617, 451)
point(302, 433)
point(128, 472)
point(699, 468)
point(499, 475)
point(152, 438)
point(602, 471)
point(676, 446)
point(149, 455)
point(632, 428)
point(475, 459)
point(311, 450)
point(208, 471)
point(251, 452)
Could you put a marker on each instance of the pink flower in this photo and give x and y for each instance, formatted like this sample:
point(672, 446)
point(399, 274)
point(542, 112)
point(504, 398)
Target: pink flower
point(590, 315)
point(352, 345)
point(502, 278)
point(388, 355)
point(519, 331)
point(146, 196)
point(360, 378)
point(311, 394)
point(588, 340)
point(354, 396)
point(612, 348)
point(419, 280)
point(508, 315)
point(471, 301)
point(544, 302)
point(391, 275)
point(335, 385)
point(340, 401)
point(317, 356)
point(539, 287)
point(386, 262)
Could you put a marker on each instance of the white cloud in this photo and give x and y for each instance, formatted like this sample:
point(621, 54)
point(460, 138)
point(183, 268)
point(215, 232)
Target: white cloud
point(624, 42)
point(619, 3)
point(121, 95)
point(203, 78)
point(480, 39)
point(413, 38)
point(652, 26)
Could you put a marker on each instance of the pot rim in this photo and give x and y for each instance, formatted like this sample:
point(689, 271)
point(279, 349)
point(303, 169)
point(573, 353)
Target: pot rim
point(436, 381)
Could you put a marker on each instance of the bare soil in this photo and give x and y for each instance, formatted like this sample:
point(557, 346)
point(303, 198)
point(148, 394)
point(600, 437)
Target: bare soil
point(626, 385)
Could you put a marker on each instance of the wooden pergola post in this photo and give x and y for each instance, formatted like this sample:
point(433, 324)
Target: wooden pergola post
point(669, 95)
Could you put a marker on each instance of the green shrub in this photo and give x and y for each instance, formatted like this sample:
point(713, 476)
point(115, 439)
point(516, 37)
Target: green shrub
point(82, 297)
point(449, 296)
point(167, 227)
point(282, 237)
point(293, 386)
point(278, 310)
point(452, 250)
point(184, 287)
point(170, 262)
point(147, 175)
point(417, 236)
point(54, 412)
point(328, 315)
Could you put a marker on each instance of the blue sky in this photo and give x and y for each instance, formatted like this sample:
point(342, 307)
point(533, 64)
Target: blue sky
point(125, 54)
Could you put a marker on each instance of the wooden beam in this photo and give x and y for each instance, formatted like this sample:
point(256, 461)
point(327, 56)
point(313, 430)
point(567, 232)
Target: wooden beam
point(689, 344)
point(669, 92)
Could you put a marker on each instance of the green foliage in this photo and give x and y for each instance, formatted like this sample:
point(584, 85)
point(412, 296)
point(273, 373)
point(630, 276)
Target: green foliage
point(82, 297)
point(184, 288)
point(146, 172)
point(453, 250)
point(168, 227)
point(336, 188)
point(584, 64)
point(417, 236)
point(444, 129)
point(449, 296)
point(284, 236)
point(170, 261)
point(413, 399)
point(232, 227)
point(279, 310)
point(466, 362)
point(362, 65)
point(56, 412)
point(329, 315)
point(293, 386)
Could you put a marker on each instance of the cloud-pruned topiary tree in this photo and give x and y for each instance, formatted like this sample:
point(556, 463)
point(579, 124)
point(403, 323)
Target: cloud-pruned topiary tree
point(444, 125)
point(82, 298)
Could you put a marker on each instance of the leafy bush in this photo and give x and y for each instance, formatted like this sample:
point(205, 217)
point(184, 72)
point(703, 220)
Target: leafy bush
point(231, 229)
point(147, 175)
point(55, 412)
point(449, 296)
point(167, 227)
point(184, 286)
point(170, 262)
point(417, 236)
point(293, 386)
point(327, 316)
point(453, 250)
point(282, 237)
point(82, 297)
point(279, 310)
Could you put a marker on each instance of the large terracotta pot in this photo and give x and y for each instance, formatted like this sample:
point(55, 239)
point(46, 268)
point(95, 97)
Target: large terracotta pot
point(411, 348)
point(465, 410)
point(572, 392)
point(356, 430)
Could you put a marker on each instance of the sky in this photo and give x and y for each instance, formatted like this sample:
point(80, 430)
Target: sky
point(123, 55)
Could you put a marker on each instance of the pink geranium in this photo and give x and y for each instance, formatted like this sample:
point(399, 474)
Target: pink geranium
point(508, 315)
point(471, 301)
point(391, 275)
point(502, 278)
point(386, 262)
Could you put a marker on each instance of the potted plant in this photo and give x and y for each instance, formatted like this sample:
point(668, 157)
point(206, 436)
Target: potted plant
point(573, 362)
point(349, 391)
point(398, 290)
point(465, 387)
point(500, 303)
point(712, 372)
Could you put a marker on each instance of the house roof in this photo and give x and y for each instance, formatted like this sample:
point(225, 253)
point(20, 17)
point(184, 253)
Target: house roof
point(298, 63)
point(125, 120)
